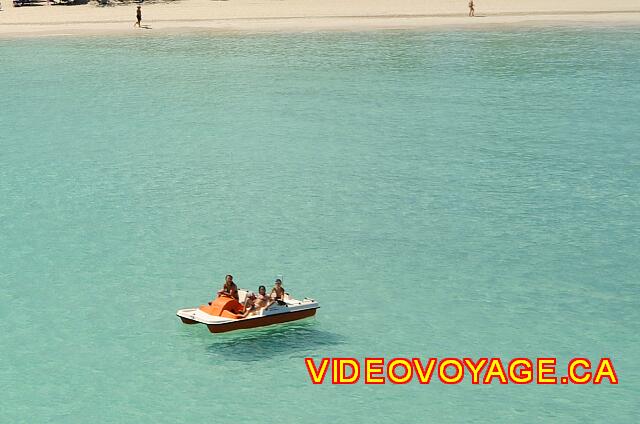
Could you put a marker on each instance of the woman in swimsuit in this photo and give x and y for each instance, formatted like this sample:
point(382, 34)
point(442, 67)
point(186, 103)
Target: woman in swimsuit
point(255, 304)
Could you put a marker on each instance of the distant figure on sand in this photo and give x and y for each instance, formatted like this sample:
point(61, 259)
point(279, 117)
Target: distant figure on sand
point(472, 10)
point(138, 17)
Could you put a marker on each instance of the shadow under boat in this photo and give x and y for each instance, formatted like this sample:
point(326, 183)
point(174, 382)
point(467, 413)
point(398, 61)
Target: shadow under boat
point(263, 343)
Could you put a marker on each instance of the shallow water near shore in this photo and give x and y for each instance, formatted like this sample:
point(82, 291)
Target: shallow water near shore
point(462, 194)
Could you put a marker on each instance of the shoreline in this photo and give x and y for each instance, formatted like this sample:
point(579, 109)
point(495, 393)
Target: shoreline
point(292, 16)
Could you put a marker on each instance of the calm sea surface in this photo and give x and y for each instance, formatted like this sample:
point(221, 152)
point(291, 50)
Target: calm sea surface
point(448, 193)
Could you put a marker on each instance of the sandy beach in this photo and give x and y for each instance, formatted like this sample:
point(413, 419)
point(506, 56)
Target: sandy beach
point(42, 19)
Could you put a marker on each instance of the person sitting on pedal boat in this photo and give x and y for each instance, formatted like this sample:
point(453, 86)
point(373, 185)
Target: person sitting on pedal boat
point(255, 304)
point(277, 292)
point(229, 289)
point(262, 300)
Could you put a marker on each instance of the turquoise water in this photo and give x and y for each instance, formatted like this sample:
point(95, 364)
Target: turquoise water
point(457, 193)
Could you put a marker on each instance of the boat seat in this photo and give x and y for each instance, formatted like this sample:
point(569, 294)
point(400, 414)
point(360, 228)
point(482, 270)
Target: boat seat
point(223, 306)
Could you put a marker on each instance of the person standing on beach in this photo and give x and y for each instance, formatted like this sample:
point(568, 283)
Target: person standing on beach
point(138, 17)
point(472, 10)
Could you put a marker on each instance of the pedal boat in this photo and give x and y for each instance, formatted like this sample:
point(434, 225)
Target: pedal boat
point(224, 313)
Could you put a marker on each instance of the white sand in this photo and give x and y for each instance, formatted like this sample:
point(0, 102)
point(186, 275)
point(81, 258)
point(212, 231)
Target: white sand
point(308, 15)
